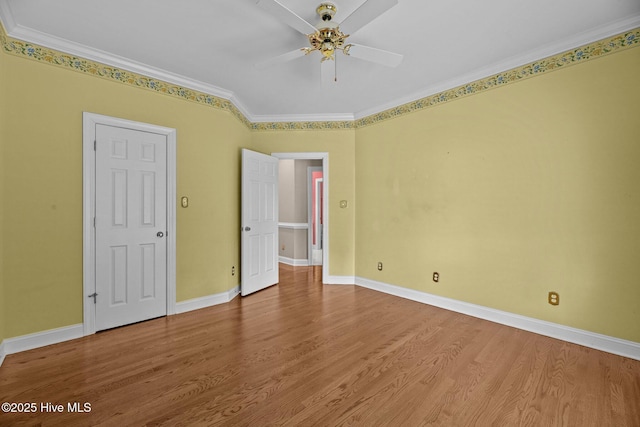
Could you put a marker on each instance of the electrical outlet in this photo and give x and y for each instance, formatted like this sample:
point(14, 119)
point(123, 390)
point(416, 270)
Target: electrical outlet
point(554, 298)
point(379, 266)
point(436, 276)
point(233, 270)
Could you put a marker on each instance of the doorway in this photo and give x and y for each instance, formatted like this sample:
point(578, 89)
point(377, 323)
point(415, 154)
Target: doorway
point(323, 228)
point(128, 221)
point(315, 218)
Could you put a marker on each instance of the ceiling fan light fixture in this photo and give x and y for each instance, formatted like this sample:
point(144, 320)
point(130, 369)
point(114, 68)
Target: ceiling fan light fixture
point(327, 50)
point(327, 38)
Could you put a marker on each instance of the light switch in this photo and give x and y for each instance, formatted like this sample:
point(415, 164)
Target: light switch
point(184, 202)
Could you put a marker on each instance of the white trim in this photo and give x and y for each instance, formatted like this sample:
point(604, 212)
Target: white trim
point(293, 262)
point(86, 52)
point(3, 353)
point(33, 36)
point(56, 43)
point(294, 225)
point(41, 339)
point(525, 58)
point(172, 242)
point(325, 203)
point(340, 280)
point(601, 342)
point(296, 118)
point(238, 104)
point(208, 301)
point(66, 333)
point(310, 213)
point(89, 122)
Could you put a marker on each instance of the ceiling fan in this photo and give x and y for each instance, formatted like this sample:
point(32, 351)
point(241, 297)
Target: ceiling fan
point(328, 37)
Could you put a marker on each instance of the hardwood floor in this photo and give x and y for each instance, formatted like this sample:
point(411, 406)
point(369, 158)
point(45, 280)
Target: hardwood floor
point(301, 353)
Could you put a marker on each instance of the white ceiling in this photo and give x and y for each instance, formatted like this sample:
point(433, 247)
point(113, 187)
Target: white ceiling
point(213, 46)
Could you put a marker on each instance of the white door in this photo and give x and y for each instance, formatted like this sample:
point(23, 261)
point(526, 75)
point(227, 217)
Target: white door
point(259, 259)
point(130, 226)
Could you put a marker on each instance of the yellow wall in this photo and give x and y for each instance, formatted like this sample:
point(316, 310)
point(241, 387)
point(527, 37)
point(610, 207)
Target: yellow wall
point(340, 144)
point(511, 193)
point(3, 112)
point(508, 194)
point(42, 166)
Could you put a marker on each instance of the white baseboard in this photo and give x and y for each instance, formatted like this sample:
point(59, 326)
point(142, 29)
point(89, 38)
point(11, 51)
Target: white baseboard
point(340, 280)
point(54, 336)
point(208, 301)
point(232, 293)
point(2, 352)
point(40, 339)
point(294, 262)
point(294, 225)
point(601, 342)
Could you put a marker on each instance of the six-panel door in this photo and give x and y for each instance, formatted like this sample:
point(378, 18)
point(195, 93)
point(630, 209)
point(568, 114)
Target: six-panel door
point(131, 223)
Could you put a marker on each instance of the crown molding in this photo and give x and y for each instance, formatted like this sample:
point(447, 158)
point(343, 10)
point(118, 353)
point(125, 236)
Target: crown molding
point(304, 125)
point(596, 42)
point(242, 109)
point(303, 122)
point(30, 35)
point(51, 42)
point(296, 118)
point(574, 42)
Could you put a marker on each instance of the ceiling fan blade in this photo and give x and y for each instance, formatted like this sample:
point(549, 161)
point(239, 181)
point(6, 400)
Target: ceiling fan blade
point(367, 12)
point(379, 56)
point(287, 16)
point(285, 57)
point(328, 72)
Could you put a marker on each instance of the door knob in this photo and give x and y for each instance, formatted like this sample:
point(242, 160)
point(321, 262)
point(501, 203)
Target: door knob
point(160, 234)
point(247, 229)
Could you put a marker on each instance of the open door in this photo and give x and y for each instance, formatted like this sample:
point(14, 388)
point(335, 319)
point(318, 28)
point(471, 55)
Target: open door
point(259, 241)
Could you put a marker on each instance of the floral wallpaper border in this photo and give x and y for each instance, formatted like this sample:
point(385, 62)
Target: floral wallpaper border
point(581, 54)
point(52, 57)
point(575, 56)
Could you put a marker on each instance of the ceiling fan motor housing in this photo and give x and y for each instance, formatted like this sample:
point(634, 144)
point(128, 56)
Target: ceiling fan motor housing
point(326, 11)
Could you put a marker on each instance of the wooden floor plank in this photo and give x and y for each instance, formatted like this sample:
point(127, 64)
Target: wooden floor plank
point(303, 353)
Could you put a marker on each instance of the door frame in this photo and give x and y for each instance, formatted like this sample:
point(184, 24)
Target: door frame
point(325, 201)
point(89, 122)
point(310, 213)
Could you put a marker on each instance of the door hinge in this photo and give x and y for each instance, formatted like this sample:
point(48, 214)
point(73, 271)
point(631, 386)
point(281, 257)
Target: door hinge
point(94, 222)
point(95, 144)
point(93, 295)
